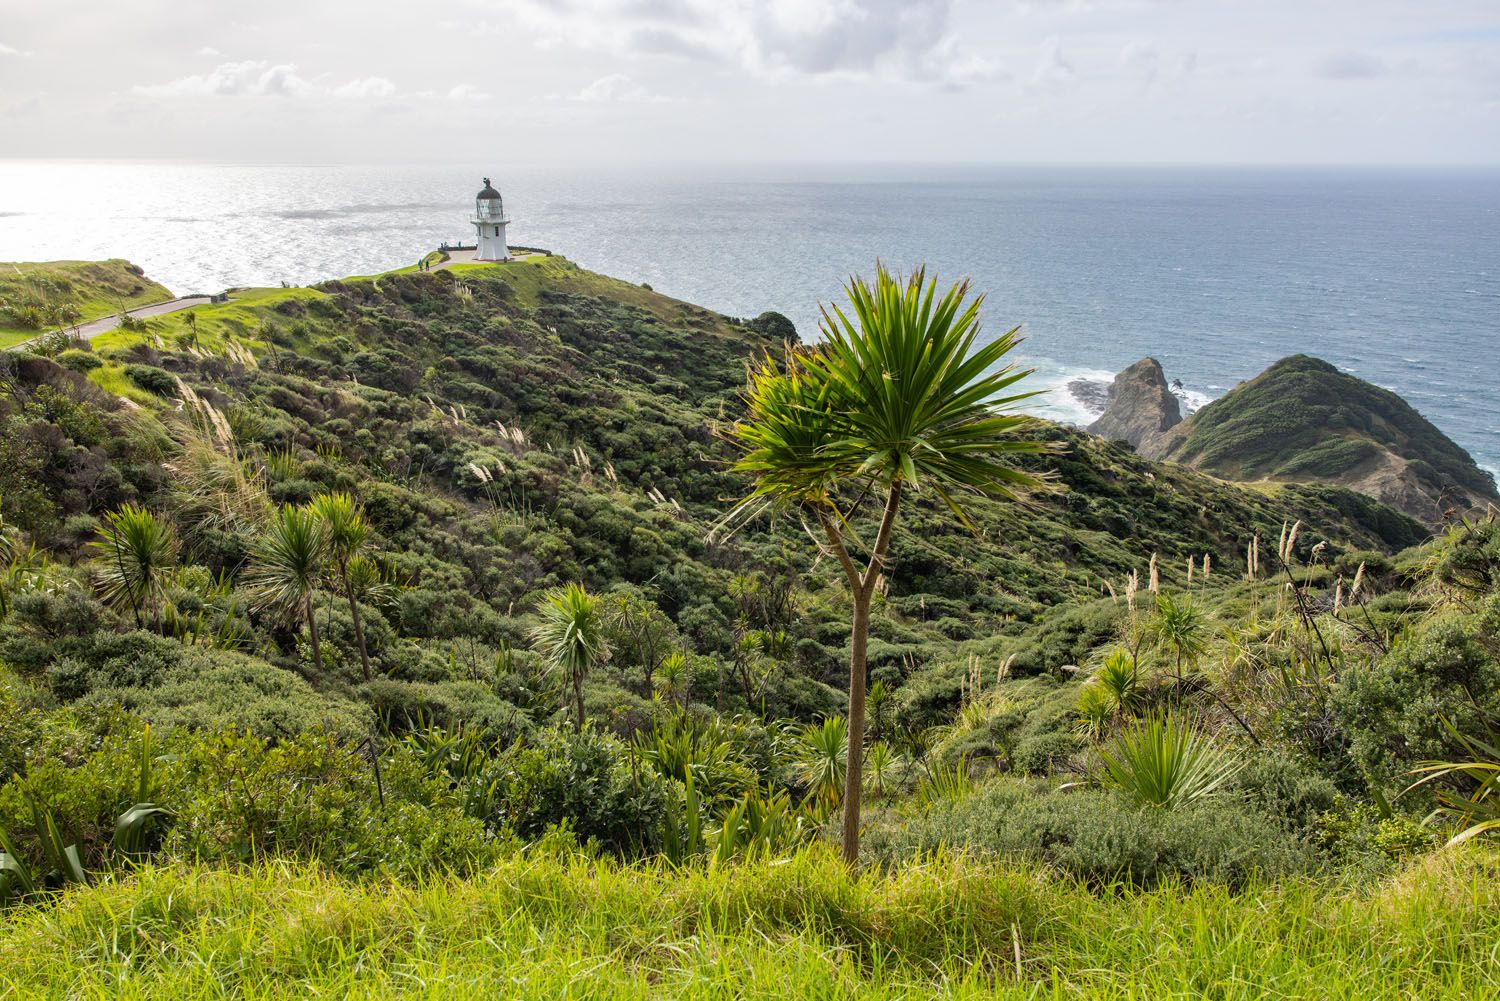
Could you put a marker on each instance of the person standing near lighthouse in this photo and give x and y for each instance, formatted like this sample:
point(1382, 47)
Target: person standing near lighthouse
point(489, 219)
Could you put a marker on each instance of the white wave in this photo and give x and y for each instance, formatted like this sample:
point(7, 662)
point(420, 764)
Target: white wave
point(1191, 400)
point(1060, 402)
point(1063, 402)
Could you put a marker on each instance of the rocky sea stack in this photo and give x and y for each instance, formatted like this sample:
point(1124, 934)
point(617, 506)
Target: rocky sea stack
point(1140, 408)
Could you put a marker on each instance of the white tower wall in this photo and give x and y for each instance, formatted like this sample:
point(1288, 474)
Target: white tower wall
point(491, 241)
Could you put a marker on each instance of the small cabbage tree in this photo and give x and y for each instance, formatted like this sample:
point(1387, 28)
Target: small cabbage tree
point(571, 637)
point(134, 557)
point(347, 533)
point(900, 397)
point(286, 566)
point(1166, 761)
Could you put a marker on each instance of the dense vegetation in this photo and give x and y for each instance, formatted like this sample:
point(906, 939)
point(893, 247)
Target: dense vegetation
point(404, 594)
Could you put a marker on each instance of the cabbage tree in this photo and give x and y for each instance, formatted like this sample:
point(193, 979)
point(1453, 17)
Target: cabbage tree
point(570, 635)
point(900, 396)
point(347, 532)
point(286, 567)
point(135, 555)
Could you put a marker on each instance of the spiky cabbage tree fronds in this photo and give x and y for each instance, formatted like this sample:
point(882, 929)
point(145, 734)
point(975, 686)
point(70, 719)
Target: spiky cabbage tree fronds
point(286, 567)
point(917, 397)
point(134, 557)
point(899, 396)
point(286, 563)
point(1166, 761)
point(1183, 627)
point(571, 637)
point(1115, 690)
point(823, 758)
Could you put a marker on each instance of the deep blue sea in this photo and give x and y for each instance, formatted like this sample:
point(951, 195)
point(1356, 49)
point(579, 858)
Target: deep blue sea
point(1393, 275)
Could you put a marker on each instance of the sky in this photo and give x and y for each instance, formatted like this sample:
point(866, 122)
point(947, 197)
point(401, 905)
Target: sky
point(776, 81)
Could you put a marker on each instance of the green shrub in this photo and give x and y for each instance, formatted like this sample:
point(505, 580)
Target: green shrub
point(152, 379)
point(1289, 790)
point(1362, 835)
point(405, 705)
point(1042, 753)
point(79, 360)
point(239, 797)
point(220, 692)
point(585, 782)
point(1393, 710)
point(1102, 837)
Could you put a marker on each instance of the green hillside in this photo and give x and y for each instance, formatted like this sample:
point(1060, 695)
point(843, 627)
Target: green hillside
point(37, 298)
point(1303, 419)
point(185, 703)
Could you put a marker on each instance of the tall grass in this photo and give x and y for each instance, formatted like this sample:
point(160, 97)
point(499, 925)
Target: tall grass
point(549, 924)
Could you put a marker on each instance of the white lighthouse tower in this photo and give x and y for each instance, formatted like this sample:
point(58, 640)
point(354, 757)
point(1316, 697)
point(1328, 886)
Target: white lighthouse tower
point(489, 219)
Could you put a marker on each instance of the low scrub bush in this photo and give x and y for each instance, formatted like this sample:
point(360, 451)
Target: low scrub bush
point(152, 379)
point(1394, 709)
point(236, 797)
point(222, 692)
point(1103, 837)
point(586, 782)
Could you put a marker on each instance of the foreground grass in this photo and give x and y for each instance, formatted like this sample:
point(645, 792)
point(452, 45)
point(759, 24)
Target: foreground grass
point(548, 926)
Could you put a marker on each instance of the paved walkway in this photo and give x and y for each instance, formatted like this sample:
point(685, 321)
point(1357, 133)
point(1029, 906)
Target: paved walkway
point(454, 257)
point(88, 331)
point(467, 257)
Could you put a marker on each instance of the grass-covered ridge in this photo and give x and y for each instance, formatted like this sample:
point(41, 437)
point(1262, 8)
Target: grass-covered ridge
point(39, 297)
point(1303, 419)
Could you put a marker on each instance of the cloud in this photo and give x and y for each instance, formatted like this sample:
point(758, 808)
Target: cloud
point(911, 40)
point(467, 92)
point(249, 78)
point(1352, 65)
point(260, 78)
point(1053, 70)
point(1146, 62)
point(1142, 59)
point(210, 51)
point(365, 88)
point(6, 50)
point(617, 87)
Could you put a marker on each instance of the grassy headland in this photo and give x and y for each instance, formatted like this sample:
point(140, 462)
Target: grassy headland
point(36, 298)
point(438, 828)
point(1303, 419)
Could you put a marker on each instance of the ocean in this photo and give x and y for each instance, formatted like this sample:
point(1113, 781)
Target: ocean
point(1391, 274)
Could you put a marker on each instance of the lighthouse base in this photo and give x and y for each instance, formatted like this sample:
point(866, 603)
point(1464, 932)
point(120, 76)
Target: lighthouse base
point(491, 242)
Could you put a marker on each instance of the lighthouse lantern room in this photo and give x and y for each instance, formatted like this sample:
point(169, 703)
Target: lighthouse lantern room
point(489, 219)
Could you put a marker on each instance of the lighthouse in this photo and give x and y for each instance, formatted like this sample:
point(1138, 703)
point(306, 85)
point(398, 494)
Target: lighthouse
point(489, 219)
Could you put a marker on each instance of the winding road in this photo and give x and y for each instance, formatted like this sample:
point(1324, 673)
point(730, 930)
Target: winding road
point(88, 331)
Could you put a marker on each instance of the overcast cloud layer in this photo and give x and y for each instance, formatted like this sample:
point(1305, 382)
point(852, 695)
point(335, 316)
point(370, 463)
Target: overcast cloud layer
point(560, 81)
